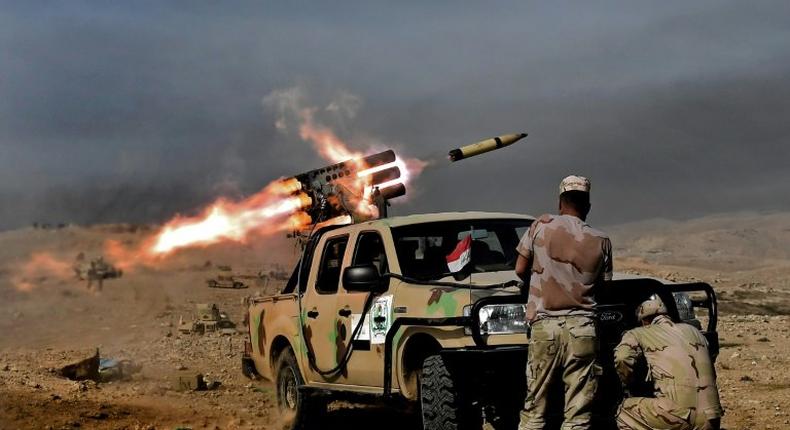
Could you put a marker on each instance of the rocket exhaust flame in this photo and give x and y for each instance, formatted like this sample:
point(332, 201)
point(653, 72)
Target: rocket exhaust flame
point(351, 189)
point(267, 211)
point(296, 202)
point(326, 196)
point(356, 187)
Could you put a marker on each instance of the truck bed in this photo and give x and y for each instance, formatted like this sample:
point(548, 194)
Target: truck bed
point(271, 318)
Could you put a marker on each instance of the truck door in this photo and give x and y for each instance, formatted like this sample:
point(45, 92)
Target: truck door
point(325, 336)
point(367, 361)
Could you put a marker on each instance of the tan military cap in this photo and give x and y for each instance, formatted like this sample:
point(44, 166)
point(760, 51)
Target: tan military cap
point(575, 183)
point(651, 307)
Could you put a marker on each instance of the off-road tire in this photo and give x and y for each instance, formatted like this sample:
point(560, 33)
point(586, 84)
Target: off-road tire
point(441, 403)
point(299, 409)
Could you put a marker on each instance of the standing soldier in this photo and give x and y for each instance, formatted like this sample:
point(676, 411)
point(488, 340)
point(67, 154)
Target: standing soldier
point(680, 367)
point(563, 260)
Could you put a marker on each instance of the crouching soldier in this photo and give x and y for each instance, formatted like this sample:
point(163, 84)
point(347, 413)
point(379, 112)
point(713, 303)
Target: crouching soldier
point(679, 364)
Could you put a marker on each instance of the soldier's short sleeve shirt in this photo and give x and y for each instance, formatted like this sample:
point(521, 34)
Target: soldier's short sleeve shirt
point(569, 259)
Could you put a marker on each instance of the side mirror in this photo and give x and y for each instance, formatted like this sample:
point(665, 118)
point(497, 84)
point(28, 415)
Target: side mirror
point(364, 278)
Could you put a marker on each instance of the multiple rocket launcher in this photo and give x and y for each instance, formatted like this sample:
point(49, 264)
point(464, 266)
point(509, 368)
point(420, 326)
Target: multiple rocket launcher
point(335, 190)
point(331, 188)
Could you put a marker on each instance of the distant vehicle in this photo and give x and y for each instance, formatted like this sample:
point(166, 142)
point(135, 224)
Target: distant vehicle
point(209, 319)
point(371, 313)
point(222, 281)
point(96, 270)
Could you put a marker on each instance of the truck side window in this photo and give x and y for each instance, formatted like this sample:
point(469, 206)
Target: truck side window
point(370, 250)
point(331, 265)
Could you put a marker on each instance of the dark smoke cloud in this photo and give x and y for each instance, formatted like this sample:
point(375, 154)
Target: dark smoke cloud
point(113, 112)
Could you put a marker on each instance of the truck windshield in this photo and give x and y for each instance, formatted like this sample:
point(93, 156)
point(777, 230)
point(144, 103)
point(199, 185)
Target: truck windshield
point(423, 249)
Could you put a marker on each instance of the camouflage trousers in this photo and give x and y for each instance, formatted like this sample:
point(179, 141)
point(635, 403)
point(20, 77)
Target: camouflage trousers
point(561, 349)
point(647, 413)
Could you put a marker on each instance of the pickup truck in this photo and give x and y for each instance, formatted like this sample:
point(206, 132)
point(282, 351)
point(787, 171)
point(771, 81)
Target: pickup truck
point(371, 314)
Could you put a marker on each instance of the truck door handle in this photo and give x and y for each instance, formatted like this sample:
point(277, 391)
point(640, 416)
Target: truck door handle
point(344, 313)
point(312, 314)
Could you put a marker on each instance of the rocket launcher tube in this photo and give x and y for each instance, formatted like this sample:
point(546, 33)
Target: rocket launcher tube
point(325, 191)
point(393, 191)
point(319, 177)
point(379, 159)
point(304, 200)
point(289, 185)
point(485, 146)
point(385, 175)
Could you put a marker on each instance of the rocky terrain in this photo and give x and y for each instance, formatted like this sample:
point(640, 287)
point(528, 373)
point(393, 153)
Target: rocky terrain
point(48, 318)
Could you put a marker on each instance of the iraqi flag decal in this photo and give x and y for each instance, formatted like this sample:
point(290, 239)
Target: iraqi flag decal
point(461, 255)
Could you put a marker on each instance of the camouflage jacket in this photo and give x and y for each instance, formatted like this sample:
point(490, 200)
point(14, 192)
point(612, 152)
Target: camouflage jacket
point(678, 361)
point(569, 259)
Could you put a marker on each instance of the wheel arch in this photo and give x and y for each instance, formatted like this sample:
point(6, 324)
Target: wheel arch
point(279, 344)
point(416, 349)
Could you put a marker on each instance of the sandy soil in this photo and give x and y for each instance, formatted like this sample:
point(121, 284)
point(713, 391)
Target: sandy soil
point(745, 256)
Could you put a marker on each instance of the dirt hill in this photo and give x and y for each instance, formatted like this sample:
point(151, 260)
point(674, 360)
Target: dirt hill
point(745, 256)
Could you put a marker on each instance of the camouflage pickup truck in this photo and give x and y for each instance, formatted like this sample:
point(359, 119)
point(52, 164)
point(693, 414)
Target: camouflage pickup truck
point(371, 313)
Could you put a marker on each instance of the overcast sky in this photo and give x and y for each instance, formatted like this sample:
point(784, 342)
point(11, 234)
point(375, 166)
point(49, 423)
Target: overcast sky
point(135, 111)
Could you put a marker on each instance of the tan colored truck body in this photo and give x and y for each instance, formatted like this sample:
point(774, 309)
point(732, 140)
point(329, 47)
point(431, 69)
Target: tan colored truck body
point(274, 321)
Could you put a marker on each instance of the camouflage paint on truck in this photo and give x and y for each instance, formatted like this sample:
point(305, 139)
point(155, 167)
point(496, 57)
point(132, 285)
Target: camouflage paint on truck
point(442, 299)
point(365, 370)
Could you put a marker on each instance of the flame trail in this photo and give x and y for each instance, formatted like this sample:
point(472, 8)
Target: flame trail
point(274, 208)
point(267, 211)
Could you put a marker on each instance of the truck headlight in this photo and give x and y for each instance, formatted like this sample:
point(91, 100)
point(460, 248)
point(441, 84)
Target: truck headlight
point(501, 319)
point(685, 307)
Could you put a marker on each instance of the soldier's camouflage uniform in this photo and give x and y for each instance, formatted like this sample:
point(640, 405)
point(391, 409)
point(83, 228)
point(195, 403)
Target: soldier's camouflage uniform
point(681, 369)
point(569, 259)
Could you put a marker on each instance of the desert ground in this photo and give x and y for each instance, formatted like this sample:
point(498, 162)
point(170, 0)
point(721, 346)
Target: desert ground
point(48, 318)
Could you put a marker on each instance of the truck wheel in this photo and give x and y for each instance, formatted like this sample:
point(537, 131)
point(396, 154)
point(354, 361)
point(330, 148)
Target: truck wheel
point(299, 409)
point(441, 403)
